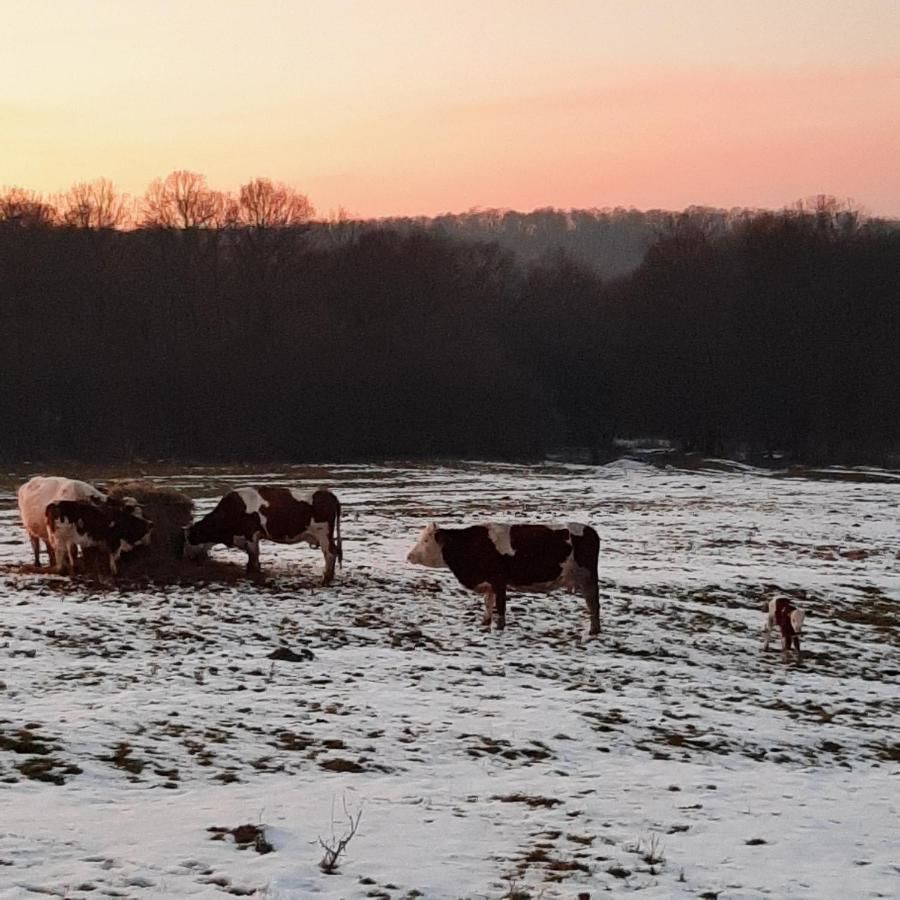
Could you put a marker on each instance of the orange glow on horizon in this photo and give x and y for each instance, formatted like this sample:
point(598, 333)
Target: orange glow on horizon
point(398, 108)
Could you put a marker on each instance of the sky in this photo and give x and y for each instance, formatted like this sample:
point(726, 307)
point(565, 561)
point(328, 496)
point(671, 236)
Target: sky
point(398, 107)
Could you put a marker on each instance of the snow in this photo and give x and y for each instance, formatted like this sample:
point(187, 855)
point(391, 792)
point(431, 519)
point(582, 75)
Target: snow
point(752, 777)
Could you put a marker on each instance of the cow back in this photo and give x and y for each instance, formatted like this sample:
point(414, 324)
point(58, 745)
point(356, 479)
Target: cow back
point(88, 519)
point(538, 554)
point(38, 492)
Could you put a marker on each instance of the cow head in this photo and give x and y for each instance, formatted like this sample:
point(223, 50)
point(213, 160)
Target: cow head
point(132, 506)
point(132, 530)
point(428, 550)
point(192, 545)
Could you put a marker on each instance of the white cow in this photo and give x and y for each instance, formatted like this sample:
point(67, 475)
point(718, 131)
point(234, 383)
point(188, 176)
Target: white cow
point(37, 494)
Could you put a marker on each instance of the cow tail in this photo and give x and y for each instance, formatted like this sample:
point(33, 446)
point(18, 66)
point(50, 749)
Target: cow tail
point(338, 546)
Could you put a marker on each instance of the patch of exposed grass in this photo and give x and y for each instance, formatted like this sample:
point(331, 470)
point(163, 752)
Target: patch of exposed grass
point(24, 740)
point(122, 758)
point(532, 800)
point(341, 765)
point(244, 836)
point(47, 768)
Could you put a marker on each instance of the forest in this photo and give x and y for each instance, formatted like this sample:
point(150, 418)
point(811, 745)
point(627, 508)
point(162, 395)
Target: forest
point(197, 326)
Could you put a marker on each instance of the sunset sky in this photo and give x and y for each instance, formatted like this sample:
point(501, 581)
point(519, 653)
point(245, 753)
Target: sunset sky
point(388, 107)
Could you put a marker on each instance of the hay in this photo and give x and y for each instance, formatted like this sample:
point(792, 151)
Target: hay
point(141, 567)
point(169, 510)
point(139, 570)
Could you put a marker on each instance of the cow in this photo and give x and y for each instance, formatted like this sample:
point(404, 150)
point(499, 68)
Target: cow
point(492, 557)
point(789, 620)
point(247, 514)
point(36, 494)
point(112, 527)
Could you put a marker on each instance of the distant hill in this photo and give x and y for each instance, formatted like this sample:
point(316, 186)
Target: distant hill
point(612, 242)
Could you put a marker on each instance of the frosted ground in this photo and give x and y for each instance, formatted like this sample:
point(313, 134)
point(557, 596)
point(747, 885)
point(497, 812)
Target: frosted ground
point(669, 758)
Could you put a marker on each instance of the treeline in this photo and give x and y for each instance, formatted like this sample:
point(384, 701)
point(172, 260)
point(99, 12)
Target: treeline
point(612, 242)
point(235, 328)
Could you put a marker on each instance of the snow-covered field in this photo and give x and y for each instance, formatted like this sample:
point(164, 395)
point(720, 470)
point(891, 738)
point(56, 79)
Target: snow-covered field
point(671, 757)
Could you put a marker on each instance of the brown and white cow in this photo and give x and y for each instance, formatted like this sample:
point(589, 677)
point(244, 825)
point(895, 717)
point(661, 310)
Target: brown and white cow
point(84, 523)
point(248, 514)
point(35, 496)
point(789, 620)
point(490, 558)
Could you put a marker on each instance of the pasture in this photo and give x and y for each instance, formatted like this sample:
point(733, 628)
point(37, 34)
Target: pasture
point(669, 758)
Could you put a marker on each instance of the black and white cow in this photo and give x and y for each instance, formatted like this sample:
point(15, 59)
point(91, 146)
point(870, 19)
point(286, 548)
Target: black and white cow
point(493, 557)
point(248, 514)
point(85, 523)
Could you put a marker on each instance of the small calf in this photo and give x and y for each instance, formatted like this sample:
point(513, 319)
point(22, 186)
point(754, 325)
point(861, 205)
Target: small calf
point(789, 620)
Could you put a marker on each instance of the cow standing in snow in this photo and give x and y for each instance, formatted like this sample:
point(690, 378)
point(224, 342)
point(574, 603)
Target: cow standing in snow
point(248, 514)
point(37, 494)
point(490, 558)
point(789, 620)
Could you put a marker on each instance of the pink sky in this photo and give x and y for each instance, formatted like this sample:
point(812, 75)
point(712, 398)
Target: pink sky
point(389, 107)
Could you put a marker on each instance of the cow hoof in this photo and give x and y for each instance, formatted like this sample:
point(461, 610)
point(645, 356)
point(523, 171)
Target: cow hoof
point(590, 636)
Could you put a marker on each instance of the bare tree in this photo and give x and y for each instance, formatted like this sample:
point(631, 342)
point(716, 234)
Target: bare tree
point(831, 215)
point(341, 227)
point(182, 200)
point(263, 203)
point(96, 204)
point(25, 208)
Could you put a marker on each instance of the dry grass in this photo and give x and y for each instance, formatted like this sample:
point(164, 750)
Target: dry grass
point(244, 836)
point(168, 509)
point(334, 847)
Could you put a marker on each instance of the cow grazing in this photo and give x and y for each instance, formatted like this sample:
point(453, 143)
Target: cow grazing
point(490, 558)
point(36, 494)
point(789, 620)
point(246, 515)
point(84, 523)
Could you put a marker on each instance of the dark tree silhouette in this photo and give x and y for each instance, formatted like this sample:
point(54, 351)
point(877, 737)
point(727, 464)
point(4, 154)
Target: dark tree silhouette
point(239, 329)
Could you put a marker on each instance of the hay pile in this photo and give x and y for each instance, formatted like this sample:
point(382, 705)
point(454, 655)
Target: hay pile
point(170, 511)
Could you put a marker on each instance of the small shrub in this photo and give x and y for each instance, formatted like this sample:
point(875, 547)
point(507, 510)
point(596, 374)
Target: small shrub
point(335, 846)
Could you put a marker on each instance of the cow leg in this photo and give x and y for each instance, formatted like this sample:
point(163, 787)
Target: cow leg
point(113, 568)
point(64, 558)
point(488, 607)
point(797, 646)
point(785, 645)
point(330, 557)
point(252, 548)
point(51, 554)
point(500, 593)
point(592, 599)
point(36, 548)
